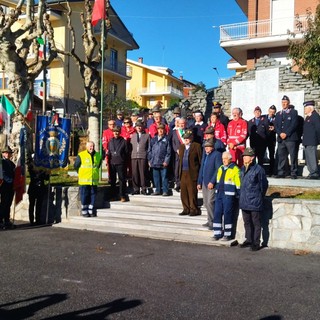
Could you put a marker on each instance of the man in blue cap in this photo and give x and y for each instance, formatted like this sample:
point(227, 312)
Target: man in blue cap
point(311, 138)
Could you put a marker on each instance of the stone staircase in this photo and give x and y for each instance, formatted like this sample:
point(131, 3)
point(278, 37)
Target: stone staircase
point(150, 216)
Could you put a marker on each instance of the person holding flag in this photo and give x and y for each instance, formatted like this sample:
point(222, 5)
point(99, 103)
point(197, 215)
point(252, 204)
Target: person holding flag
point(6, 188)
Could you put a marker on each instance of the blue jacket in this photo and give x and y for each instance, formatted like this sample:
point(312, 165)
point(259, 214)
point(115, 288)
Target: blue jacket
point(208, 172)
point(254, 185)
point(159, 152)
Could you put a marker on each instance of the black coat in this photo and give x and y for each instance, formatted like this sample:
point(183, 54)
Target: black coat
point(287, 122)
point(258, 133)
point(311, 130)
point(117, 151)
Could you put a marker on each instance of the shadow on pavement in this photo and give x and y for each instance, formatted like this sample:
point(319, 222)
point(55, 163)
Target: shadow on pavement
point(24, 309)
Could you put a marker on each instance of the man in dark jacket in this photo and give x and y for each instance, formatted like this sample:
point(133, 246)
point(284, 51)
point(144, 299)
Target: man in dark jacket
point(189, 165)
point(311, 138)
point(271, 138)
point(254, 185)
point(139, 161)
point(6, 188)
point(286, 125)
point(210, 163)
point(118, 154)
point(258, 129)
point(159, 154)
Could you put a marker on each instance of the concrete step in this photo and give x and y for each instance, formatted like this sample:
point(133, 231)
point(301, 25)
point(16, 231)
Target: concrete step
point(190, 238)
point(148, 216)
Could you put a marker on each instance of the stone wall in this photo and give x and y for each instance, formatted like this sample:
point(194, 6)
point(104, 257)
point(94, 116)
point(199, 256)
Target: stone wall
point(63, 202)
point(289, 224)
point(288, 81)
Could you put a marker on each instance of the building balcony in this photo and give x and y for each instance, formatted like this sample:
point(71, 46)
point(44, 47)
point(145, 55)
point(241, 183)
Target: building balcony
point(158, 91)
point(117, 68)
point(238, 38)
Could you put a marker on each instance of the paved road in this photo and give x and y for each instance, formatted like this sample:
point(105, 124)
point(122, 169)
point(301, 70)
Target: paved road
point(51, 273)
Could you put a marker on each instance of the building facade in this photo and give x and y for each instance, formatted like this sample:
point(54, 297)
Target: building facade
point(150, 84)
point(265, 32)
point(65, 90)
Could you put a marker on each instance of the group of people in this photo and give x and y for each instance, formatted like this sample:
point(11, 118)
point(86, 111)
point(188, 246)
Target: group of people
point(212, 157)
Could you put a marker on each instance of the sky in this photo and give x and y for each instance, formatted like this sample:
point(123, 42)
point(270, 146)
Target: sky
point(181, 35)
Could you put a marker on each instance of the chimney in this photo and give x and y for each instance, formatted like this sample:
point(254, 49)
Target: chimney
point(181, 78)
point(140, 60)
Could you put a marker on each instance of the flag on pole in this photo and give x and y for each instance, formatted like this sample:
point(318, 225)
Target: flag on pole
point(52, 142)
point(98, 12)
point(7, 105)
point(25, 104)
point(19, 182)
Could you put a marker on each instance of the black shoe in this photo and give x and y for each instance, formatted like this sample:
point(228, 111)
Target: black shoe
point(293, 177)
point(135, 192)
point(245, 244)
point(183, 213)
point(215, 238)
point(87, 215)
point(156, 193)
point(196, 213)
point(255, 247)
point(279, 176)
point(177, 189)
point(144, 192)
point(165, 194)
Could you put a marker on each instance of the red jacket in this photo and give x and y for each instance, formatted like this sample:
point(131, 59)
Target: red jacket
point(237, 132)
point(107, 135)
point(219, 131)
point(127, 132)
point(153, 130)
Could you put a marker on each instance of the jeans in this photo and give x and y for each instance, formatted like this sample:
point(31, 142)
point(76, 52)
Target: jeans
point(160, 179)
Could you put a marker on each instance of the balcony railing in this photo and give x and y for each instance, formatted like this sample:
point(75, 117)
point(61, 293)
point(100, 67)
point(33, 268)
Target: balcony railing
point(169, 90)
point(117, 67)
point(262, 28)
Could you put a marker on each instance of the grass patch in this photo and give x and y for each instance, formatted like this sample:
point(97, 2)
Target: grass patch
point(60, 177)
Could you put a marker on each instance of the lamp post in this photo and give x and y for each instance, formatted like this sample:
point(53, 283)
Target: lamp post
point(217, 72)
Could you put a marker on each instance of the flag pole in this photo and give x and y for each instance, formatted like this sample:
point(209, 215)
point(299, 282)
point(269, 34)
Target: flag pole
point(103, 24)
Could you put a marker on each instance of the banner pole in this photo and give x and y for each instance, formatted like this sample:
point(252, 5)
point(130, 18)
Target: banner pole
point(48, 200)
point(103, 23)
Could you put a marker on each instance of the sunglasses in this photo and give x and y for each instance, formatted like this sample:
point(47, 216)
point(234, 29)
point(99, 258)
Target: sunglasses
point(127, 122)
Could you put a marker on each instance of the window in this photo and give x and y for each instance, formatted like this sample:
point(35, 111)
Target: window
point(113, 59)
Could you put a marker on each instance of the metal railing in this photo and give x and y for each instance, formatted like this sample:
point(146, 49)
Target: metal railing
point(118, 67)
point(161, 90)
point(262, 28)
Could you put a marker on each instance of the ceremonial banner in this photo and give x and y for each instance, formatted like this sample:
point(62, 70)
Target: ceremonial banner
point(52, 142)
point(19, 182)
